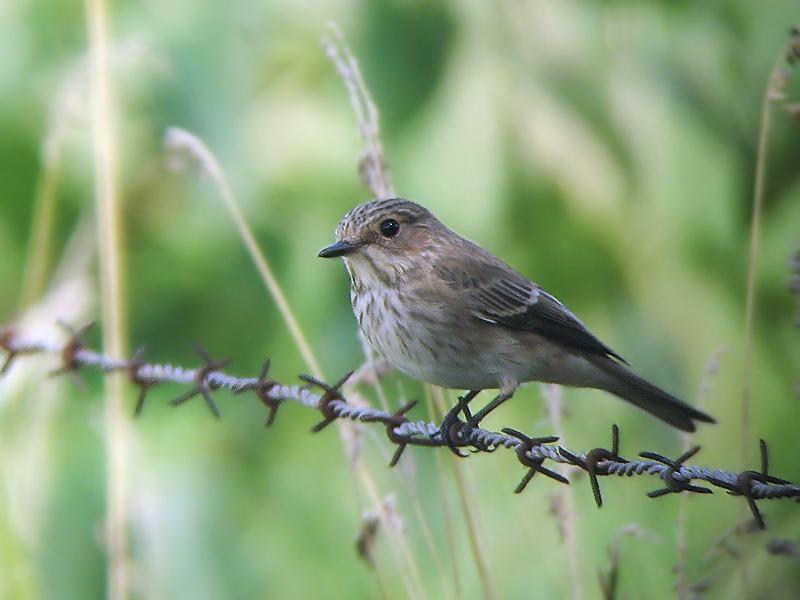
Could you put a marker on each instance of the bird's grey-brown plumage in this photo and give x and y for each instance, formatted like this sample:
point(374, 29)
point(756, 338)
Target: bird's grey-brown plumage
point(448, 312)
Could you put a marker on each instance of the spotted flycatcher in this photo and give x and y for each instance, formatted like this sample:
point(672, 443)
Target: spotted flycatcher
point(446, 311)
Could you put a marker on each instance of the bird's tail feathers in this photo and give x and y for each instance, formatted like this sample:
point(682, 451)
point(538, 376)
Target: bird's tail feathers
point(626, 384)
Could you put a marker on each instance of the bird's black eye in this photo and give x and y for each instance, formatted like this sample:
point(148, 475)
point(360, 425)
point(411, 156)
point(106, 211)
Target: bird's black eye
point(390, 228)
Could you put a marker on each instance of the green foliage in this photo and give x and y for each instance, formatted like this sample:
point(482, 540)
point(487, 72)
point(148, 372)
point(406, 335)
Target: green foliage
point(606, 150)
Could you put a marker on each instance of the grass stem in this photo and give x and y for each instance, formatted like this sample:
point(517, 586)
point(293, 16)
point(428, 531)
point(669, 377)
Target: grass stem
point(775, 91)
point(470, 517)
point(554, 397)
point(41, 238)
point(111, 288)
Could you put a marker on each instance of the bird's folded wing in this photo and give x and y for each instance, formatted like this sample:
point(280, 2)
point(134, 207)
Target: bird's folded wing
point(506, 298)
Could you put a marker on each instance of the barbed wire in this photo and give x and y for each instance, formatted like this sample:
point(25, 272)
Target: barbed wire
point(532, 453)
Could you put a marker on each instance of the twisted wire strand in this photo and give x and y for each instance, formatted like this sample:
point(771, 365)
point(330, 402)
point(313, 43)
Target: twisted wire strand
point(76, 356)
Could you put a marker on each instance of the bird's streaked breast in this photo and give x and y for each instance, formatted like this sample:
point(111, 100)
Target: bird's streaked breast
point(413, 338)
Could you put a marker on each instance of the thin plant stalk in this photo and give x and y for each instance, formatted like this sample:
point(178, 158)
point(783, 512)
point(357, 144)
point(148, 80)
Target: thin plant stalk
point(27, 436)
point(412, 579)
point(752, 270)
point(369, 359)
point(774, 92)
point(554, 397)
point(367, 115)
point(41, 238)
point(422, 519)
point(412, 484)
point(470, 517)
point(427, 534)
point(39, 252)
point(373, 168)
point(111, 286)
point(181, 140)
point(445, 492)
point(413, 494)
point(682, 587)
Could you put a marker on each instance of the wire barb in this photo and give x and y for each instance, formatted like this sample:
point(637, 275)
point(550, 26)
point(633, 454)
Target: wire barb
point(15, 348)
point(262, 388)
point(532, 453)
point(452, 429)
point(145, 385)
point(591, 460)
point(745, 480)
point(203, 387)
point(534, 464)
point(674, 485)
point(8, 343)
point(69, 354)
point(329, 398)
point(396, 419)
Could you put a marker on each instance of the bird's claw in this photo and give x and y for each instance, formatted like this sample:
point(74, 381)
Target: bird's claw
point(455, 432)
point(451, 431)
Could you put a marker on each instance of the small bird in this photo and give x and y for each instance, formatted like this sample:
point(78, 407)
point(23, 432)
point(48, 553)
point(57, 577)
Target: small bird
point(444, 310)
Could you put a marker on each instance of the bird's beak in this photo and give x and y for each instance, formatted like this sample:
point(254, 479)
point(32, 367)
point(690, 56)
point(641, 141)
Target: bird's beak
point(341, 248)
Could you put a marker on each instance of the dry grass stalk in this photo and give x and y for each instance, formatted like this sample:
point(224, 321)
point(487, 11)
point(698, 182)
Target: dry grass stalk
point(568, 520)
point(683, 587)
point(373, 166)
point(182, 144)
point(68, 110)
point(374, 171)
point(26, 443)
point(774, 94)
point(476, 542)
point(112, 293)
point(445, 495)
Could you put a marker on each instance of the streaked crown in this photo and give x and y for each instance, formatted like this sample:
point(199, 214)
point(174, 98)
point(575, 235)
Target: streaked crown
point(363, 223)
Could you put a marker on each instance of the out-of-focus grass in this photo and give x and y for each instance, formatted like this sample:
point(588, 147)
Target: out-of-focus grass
point(606, 150)
point(105, 147)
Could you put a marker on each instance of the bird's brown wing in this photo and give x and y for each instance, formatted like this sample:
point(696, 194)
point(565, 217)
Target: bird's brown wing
point(498, 294)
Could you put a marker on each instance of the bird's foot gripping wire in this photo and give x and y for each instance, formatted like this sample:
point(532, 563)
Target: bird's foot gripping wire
point(473, 421)
point(453, 431)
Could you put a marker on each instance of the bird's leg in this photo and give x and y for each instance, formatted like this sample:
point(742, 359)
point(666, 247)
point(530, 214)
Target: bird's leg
point(452, 417)
point(463, 404)
point(474, 420)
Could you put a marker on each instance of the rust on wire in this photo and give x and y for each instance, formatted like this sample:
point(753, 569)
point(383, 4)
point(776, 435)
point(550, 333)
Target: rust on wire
point(69, 354)
point(331, 394)
point(202, 385)
point(6, 340)
point(753, 485)
point(144, 384)
point(15, 349)
point(7, 344)
point(262, 389)
point(534, 465)
point(593, 458)
point(452, 438)
point(396, 419)
point(452, 429)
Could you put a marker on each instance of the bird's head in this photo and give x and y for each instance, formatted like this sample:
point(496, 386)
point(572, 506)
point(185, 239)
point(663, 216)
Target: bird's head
point(383, 236)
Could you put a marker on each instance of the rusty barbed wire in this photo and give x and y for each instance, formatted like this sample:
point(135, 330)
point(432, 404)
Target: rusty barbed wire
point(532, 453)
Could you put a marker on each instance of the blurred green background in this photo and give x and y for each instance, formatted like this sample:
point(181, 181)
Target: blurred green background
point(607, 150)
